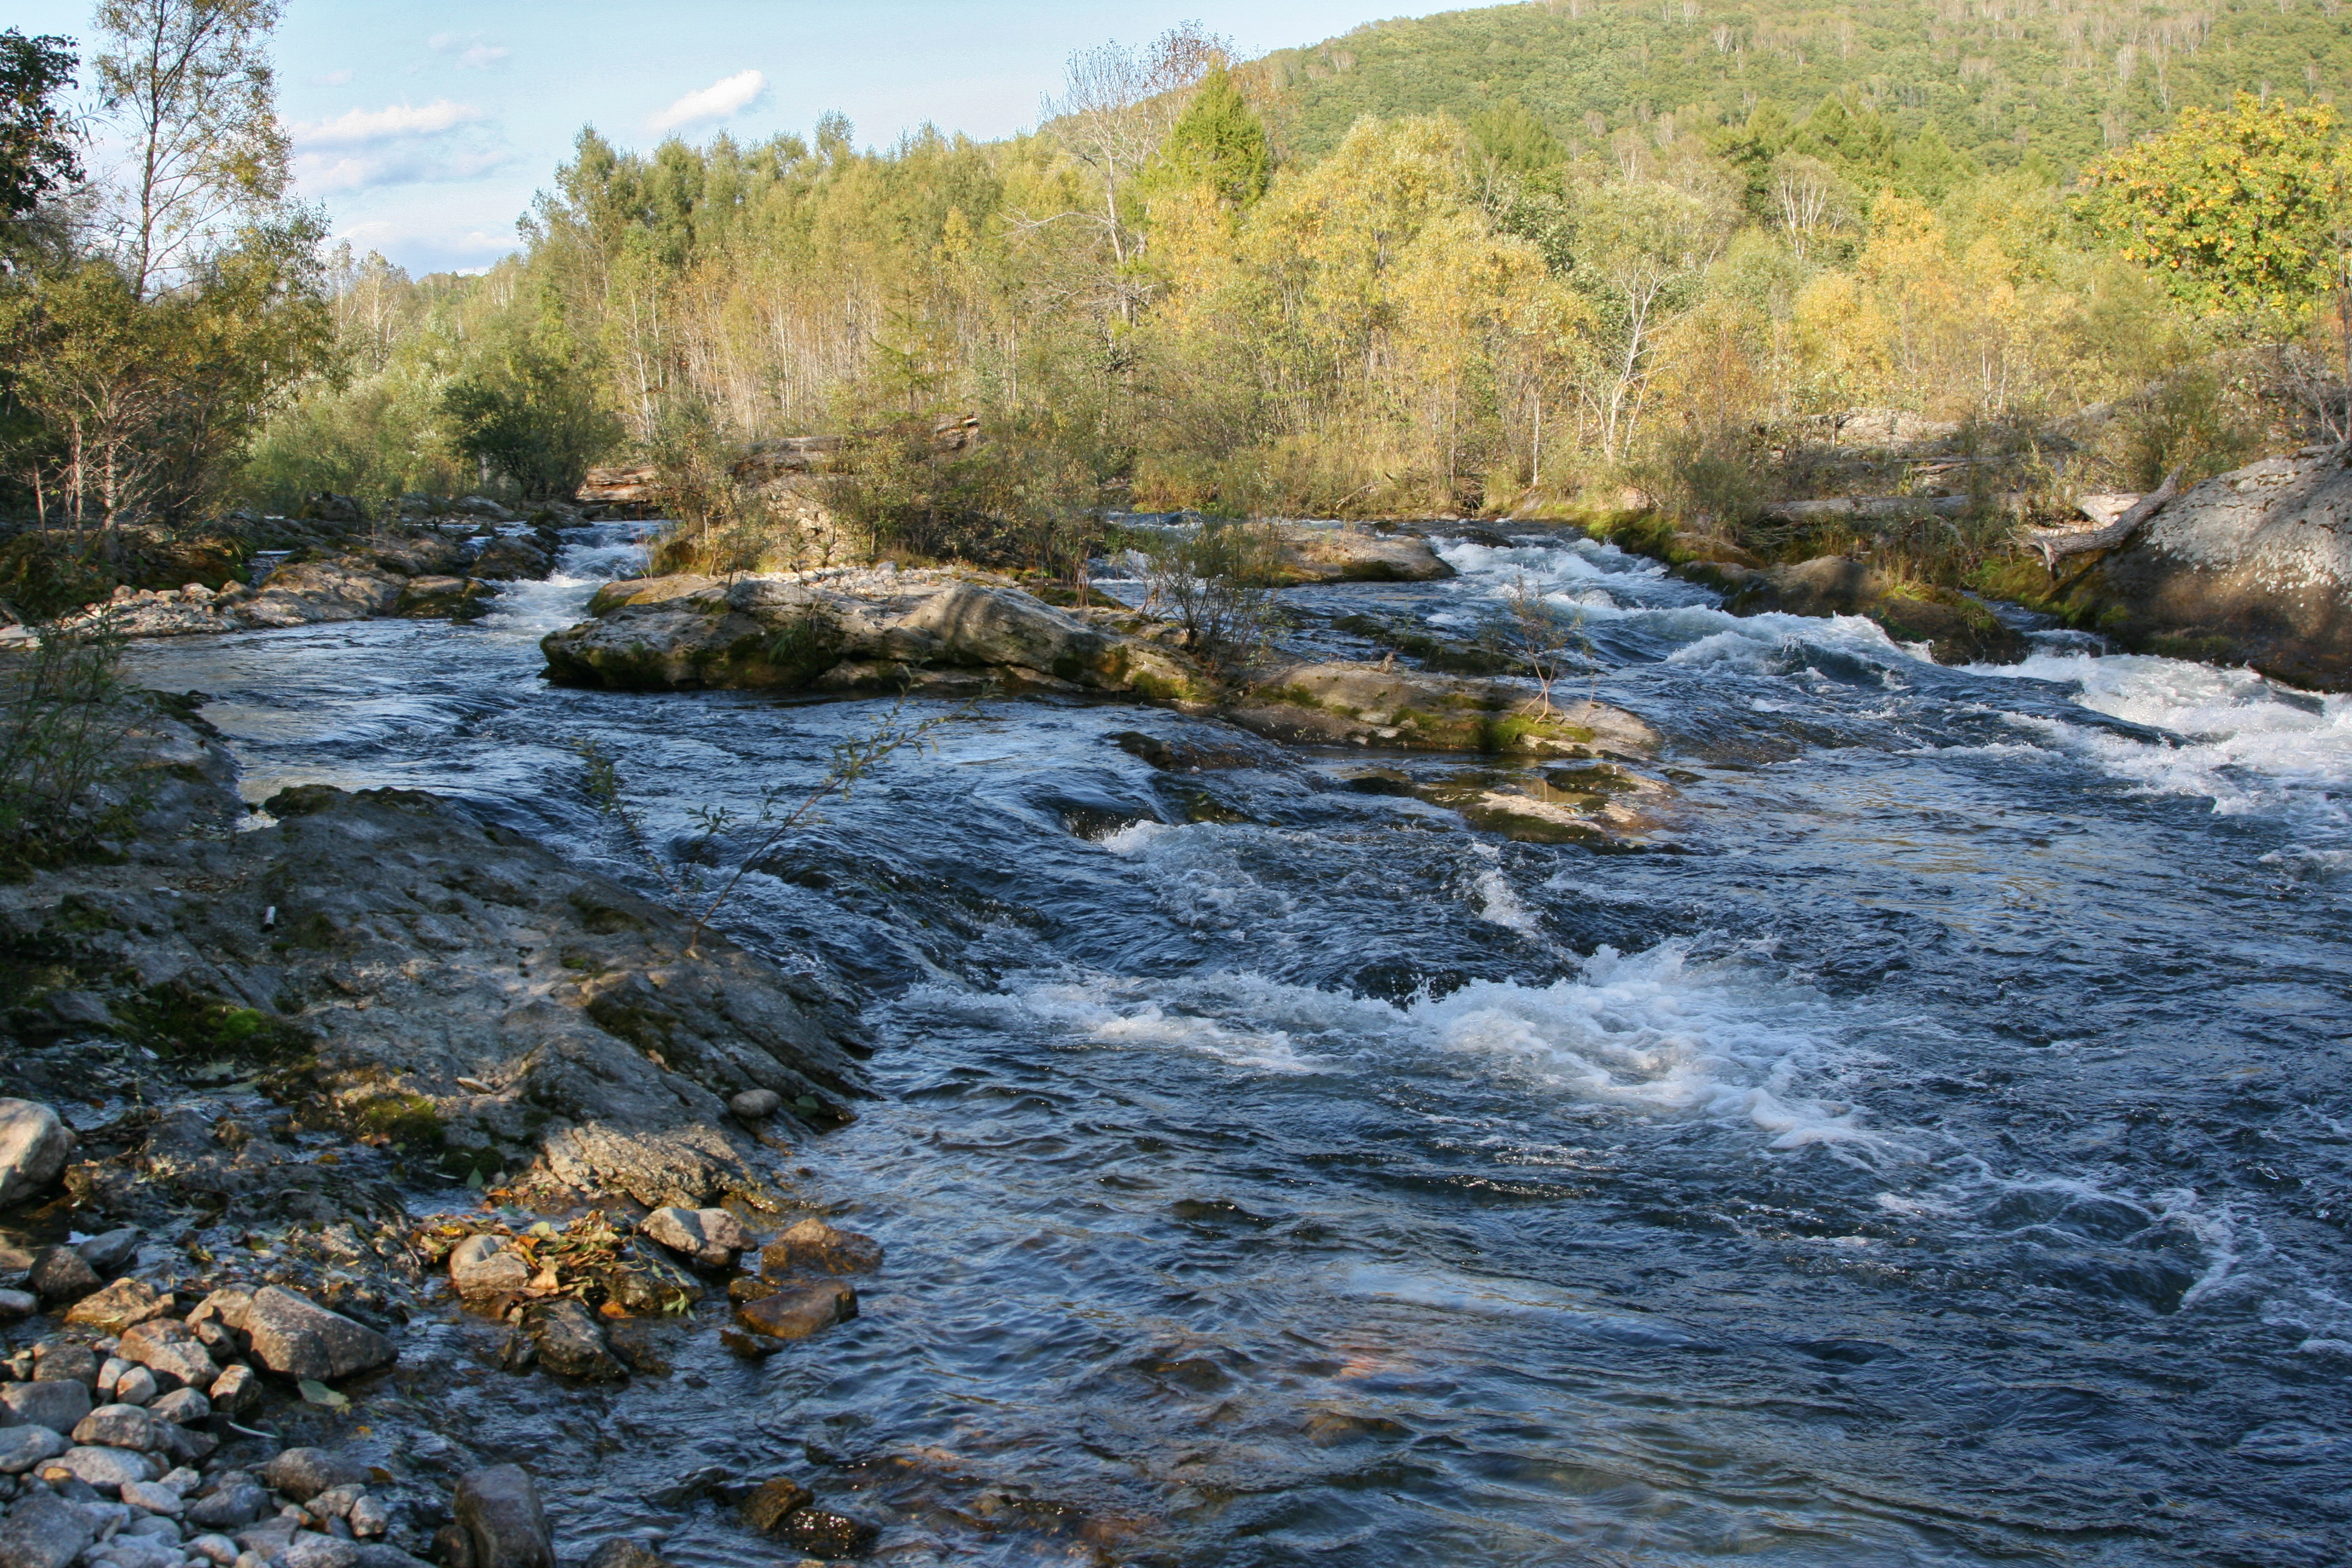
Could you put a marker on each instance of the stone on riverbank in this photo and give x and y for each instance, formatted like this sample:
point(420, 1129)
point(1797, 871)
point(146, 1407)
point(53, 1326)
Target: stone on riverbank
point(124, 1304)
point(710, 1237)
point(57, 1404)
point(813, 1246)
point(481, 1265)
point(2253, 566)
point(59, 1274)
point(34, 1144)
point(569, 1340)
point(851, 631)
point(1344, 704)
point(303, 1473)
point(44, 1531)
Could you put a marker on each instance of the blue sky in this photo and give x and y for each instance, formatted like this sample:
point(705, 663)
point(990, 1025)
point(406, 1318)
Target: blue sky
point(424, 127)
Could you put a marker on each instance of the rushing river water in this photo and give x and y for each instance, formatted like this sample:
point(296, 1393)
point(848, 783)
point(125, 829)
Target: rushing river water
point(1935, 1147)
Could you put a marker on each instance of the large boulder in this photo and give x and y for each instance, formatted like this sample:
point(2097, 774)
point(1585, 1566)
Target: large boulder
point(852, 631)
point(2253, 566)
point(1344, 704)
point(499, 1514)
point(44, 1531)
point(1955, 628)
point(1331, 554)
point(34, 1144)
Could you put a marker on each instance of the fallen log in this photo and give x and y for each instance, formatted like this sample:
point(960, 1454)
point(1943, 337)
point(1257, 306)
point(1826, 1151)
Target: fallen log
point(2054, 543)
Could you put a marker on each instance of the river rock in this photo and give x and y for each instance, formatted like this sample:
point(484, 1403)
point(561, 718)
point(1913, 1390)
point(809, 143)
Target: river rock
point(116, 1427)
point(136, 1385)
point(56, 1403)
point(34, 1144)
point(111, 1252)
point(235, 1390)
point(710, 1237)
point(1347, 555)
point(217, 1550)
point(65, 1361)
point(813, 1246)
point(621, 1552)
point(22, 1448)
point(107, 1467)
point(120, 1306)
point(171, 1347)
point(505, 1527)
point(2253, 566)
point(1368, 705)
point(44, 1531)
point(483, 1266)
point(368, 1516)
point(796, 1313)
point(303, 1473)
point(771, 1501)
point(154, 1497)
point(295, 1336)
point(18, 1304)
point(569, 1340)
point(184, 1444)
point(227, 1306)
point(852, 632)
point(231, 1506)
point(756, 1104)
point(445, 599)
point(58, 1274)
point(506, 559)
point(822, 1532)
point(181, 1408)
point(1955, 628)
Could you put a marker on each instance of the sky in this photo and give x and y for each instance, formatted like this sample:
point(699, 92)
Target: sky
point(423, 127)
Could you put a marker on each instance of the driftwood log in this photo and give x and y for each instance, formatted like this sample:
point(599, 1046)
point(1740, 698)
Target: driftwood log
point(2056, 542)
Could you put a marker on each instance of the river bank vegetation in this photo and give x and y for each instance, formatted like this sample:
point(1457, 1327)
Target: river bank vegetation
point(1636, 268)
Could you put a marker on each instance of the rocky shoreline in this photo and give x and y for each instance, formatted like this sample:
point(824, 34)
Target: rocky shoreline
point(248, 1057)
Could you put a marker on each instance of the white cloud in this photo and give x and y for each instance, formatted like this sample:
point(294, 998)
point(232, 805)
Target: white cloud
point(332, 78)
point(324, 173)
point(471, 52)
point(729, 95)
point(368, 127)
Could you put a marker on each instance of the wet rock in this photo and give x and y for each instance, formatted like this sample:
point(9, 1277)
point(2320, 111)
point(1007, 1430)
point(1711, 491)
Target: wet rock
point(106, 1468)
point(296, 1337)
point(44, 1531)
point(623, 1552)
point(483, 1266)
point(18, 1304)
point(1367, 705)
point(506, 559)
point(229, 1507)
point(499, 1510)
point(58, 1274)
point(825, 1533)
point(303, 1473)
point(235, 1390)
point(1345, 554)
point(111, 1252)
point(116, 1427)
point(1958, 629)
point(34, 1145)
point(753, 1105)
point(171, 1347)
point(22, 1448)
point(851, 631)
point(53, 1403)
point(812, 1246)
point(797, 1312)
point(154, 1497)
point(771, 1501)
point(445, 599)
point(120, 1306)
point(569, 1340)
point(1198, 753)
point(710, 1237)
point(181, 1406)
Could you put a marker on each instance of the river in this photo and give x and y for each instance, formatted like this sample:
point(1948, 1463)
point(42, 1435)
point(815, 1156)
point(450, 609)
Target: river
point(1933, 1144)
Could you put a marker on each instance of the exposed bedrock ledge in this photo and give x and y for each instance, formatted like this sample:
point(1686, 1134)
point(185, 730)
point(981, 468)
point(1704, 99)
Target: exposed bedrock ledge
point(400, 967)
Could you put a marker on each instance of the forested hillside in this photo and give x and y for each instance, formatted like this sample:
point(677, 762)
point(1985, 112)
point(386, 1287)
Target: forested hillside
point(2049, 84)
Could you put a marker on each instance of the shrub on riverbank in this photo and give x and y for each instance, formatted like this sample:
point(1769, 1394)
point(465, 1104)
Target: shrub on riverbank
point(64, 714)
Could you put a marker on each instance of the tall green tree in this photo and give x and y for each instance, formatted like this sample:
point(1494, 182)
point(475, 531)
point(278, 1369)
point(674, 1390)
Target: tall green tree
point(1220, 144)
point(38, 150)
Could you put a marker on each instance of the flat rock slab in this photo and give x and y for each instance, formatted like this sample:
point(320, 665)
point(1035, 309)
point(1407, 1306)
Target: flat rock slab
point(1348, 555)
point(1352, 704)
point(122, 1305)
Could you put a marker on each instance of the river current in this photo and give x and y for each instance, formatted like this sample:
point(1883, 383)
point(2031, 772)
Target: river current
point(1932, 1143)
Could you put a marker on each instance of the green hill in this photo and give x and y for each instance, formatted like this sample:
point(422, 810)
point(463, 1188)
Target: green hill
point(2052, 82)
